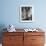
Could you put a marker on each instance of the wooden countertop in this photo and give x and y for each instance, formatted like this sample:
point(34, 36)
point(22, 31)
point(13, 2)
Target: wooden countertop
point(22, 30)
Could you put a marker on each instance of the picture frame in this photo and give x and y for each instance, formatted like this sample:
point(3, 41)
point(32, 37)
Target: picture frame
point(26, 13)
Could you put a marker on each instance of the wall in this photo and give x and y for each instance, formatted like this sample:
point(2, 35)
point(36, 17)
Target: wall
point(10, 13)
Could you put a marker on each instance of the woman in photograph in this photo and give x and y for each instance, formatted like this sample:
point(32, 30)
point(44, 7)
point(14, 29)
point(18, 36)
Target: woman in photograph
point(30, 13)
point(23, 13)
point(26, 13)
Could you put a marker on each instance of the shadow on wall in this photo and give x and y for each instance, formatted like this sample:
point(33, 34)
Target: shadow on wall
point(2, 26)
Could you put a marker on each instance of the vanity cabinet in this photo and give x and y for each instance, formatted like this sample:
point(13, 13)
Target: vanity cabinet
point(12, 39)
point(23, 39)
point(34, 39)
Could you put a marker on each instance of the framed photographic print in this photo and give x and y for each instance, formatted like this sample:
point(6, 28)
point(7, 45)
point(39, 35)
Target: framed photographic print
point(26, 13)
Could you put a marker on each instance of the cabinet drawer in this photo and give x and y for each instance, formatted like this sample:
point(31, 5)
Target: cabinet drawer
point(34, 33)
point(20, 44)
point(12, 39)
point(8, 45)
point(13, 33)
point(37, 39)
point(37, 44)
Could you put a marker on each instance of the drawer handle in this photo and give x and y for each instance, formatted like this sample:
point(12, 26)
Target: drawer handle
point(33, 39)
point(11, 38)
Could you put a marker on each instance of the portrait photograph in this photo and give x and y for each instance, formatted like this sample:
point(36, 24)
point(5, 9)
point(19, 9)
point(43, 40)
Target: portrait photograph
point(26, 13)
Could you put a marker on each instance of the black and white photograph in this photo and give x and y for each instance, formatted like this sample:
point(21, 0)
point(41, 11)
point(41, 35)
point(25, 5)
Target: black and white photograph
point(26, 13)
